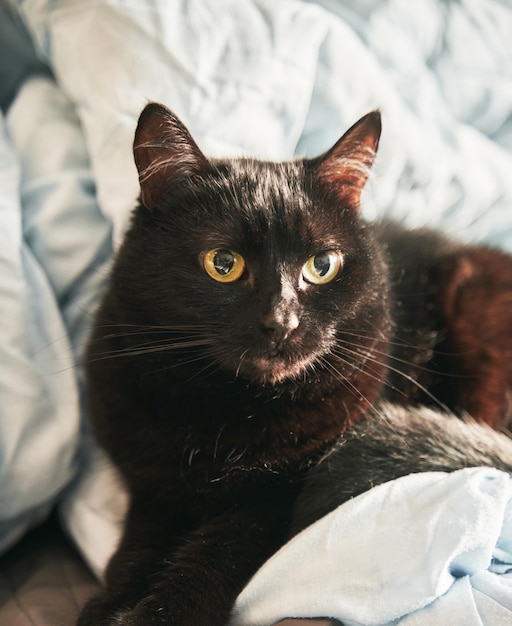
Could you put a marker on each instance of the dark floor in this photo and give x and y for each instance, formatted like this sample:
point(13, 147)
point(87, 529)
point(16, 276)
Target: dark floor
point(43, 581)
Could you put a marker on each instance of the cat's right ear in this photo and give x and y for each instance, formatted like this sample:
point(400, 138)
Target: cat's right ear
point(165, 154)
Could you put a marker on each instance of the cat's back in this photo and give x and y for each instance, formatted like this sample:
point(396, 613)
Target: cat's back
point(412, 251)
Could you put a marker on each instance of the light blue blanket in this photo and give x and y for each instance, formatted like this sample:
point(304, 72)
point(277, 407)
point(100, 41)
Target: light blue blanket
point(429, 548)
point(261, 77)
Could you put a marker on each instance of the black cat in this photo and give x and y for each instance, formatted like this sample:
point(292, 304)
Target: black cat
point(252, 316)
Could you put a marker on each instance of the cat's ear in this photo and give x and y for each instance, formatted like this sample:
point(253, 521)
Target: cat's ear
point(165, 154)
point(346, 166)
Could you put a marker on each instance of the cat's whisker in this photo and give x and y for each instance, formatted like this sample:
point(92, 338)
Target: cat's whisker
point(416, 366)
point(240, 362)
point(149, 348)
point(136, 328)
point(148, 334)
point(346, 382)
point(401, 343)
point(204, 355)
point(405, 376)
point(379, 335)
point(370, 371)
point(210, 367)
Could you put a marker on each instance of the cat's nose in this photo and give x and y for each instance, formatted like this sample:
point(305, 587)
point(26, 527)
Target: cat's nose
point(278, 328)
point(282, 316)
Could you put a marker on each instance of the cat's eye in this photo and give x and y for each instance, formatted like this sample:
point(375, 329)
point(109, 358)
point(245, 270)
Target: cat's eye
point(323, 267)
point(223, 265)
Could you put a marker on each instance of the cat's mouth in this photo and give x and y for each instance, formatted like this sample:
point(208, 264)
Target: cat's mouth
point(274, 368)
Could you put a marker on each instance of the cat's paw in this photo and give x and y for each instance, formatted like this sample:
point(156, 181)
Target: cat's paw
point(161, 611)
point(102, 612)
point(144, 614)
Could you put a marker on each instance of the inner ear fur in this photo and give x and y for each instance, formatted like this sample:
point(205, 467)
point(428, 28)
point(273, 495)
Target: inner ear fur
point(165, 154)
point(346, 166)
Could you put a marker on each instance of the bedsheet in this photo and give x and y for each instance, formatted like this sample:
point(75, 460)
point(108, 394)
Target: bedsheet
point(269, 79)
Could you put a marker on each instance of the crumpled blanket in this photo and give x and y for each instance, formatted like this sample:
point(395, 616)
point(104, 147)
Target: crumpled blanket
point(429, 548)
point(53, 243)
point(259, 77)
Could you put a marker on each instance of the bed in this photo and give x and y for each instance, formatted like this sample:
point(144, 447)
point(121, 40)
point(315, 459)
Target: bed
point(267, 79)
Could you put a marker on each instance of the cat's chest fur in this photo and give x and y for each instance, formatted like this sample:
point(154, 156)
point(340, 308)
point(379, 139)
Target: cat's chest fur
point(214, 435)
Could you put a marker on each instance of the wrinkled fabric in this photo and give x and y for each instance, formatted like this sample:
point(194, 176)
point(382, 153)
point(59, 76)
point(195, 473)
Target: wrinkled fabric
point(276, 79)
point(252, 77)
point(53, 240)
point(430, 548)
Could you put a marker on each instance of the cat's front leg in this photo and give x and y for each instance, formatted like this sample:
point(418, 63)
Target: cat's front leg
point(149, 532)
point(198, 583)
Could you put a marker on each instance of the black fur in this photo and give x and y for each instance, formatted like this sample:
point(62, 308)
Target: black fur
point(213, 399)
point(394, 441)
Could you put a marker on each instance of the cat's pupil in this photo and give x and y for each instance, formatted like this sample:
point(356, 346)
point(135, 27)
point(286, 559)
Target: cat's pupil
point(223, 261)
point(322, 263)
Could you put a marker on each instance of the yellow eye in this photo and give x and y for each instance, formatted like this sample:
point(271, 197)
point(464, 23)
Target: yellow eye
point(223, 265)
point(322, 267)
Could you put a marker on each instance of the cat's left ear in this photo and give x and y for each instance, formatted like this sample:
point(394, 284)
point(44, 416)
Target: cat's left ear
point(346, 166)
point(165, 154)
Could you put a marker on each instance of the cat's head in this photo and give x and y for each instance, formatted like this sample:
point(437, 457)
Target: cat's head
point(263, 265)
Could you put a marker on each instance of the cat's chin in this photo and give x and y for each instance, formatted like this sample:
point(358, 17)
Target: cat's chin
point(274, 370)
